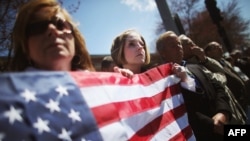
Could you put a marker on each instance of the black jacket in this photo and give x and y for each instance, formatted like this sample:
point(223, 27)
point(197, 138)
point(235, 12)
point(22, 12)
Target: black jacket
point(203, 104)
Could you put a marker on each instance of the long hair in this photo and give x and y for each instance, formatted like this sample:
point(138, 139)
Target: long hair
point(18, 57)
point(117, 48)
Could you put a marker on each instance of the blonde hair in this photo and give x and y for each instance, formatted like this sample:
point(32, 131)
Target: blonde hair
point(117, 48)
point(19, 59)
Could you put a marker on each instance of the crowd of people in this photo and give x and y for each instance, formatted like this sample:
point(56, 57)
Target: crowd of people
point(221, 94)
point(216, 89)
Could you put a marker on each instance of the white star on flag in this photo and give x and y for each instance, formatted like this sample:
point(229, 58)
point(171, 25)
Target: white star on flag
point(62, 90)
point(41, 125)
point(13, 115)
point(28, 95)
point(68, 109)
point(65, 135)
point(74, 115)
point(53, 106)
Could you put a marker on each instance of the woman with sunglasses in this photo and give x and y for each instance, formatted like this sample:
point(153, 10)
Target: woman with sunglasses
point(45, 38)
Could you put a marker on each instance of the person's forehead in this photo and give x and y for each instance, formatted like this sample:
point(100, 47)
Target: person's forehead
point(133, 36)
point(46, 13)
point(171, 38)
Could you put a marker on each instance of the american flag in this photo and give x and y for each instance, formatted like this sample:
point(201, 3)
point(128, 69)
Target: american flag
point(92, 106)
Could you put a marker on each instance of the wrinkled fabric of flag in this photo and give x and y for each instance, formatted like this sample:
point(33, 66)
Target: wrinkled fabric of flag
point(92, 106)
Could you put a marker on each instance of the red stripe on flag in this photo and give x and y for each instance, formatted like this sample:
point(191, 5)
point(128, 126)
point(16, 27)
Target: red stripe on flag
point(118, 110)
point(159, 123)
point(85, 79)
point(185, 133)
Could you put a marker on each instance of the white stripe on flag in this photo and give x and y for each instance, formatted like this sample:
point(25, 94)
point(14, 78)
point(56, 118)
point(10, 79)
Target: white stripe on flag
point(134, 123)
point(138, 121)
point(96, 96)
point(172, 129)
point(114, 132)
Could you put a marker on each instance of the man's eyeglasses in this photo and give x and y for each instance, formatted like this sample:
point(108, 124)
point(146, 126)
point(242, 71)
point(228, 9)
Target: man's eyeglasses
point(42, 26)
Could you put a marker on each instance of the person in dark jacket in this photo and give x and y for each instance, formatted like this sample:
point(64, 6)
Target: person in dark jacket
point(194, 54)
point(208, 106)
point(236, 84)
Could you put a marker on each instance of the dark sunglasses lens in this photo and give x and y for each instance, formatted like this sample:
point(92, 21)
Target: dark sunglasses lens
point(62, 25)
point(37, 28)
point(41, 27)
point(59, 25)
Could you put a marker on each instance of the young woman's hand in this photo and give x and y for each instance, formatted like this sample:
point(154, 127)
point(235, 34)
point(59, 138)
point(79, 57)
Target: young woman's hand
point(125, 72)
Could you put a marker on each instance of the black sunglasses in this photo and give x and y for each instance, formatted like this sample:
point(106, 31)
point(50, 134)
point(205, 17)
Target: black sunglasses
point(41, 27)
